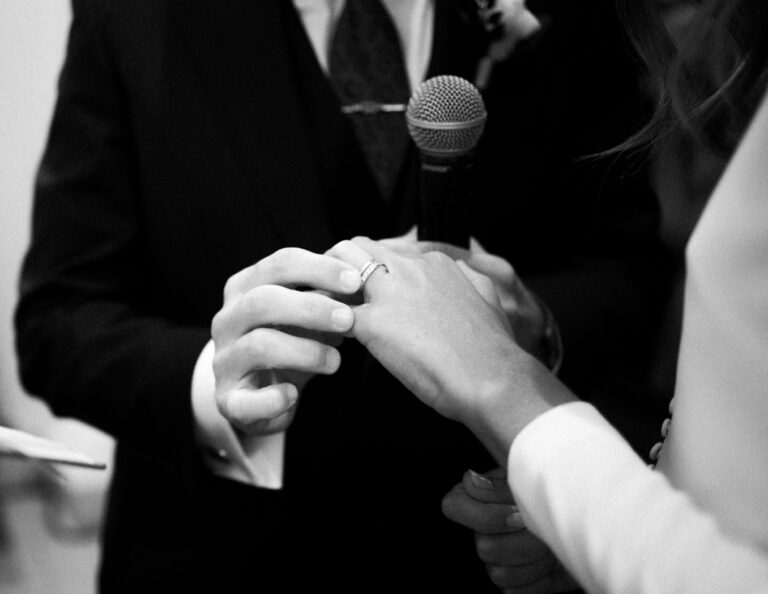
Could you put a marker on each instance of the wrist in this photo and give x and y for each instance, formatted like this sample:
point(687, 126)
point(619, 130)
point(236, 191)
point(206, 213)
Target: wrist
point(507, 404)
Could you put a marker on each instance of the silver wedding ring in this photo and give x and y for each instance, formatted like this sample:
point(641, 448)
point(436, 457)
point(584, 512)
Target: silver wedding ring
point(367, 269)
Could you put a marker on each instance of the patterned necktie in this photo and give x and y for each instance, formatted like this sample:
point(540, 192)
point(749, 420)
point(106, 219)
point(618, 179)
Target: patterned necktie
point(368, 72)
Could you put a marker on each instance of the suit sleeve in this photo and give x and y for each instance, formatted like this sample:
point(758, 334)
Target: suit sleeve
point(614, 523)
point(90, 341)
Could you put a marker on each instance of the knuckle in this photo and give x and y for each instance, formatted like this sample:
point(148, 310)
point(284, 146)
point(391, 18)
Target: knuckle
point(319, 356)
point(341, 246)
point(218, 325)
point(231, 286)
point(273, 266)
point(285, 257)
point(255, 302)
point(312, 310)
point(277, 265)
point(258, 345)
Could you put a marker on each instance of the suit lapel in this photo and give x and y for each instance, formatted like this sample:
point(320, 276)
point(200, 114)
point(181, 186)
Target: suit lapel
point(241, 55)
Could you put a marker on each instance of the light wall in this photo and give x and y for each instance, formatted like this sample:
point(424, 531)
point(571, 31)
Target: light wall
point(32, 42)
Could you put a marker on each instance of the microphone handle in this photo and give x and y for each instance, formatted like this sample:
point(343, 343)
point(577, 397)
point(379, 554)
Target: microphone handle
point(446, 191)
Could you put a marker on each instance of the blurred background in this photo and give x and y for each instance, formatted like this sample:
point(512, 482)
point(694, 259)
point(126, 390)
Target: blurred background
point(49, 518)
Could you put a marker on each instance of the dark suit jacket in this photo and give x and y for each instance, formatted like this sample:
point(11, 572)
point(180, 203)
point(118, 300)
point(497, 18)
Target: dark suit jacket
point(192, 138)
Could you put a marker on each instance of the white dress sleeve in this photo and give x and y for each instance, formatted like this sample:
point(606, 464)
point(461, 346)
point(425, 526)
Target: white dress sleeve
point(617, 525)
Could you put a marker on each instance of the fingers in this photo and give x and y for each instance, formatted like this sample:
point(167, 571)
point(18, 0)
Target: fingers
point(359, 251)
point(271, 305)
point(513, 548)
point(297, 267)
point(356, 252)
point(534, 578)
point(517, 560)
point(486, 518)
point(249, 394)
point(547, 576)
point(489, 487)
point(252, 410)
point(268, 348)
point(494, 267)
point(270, 337)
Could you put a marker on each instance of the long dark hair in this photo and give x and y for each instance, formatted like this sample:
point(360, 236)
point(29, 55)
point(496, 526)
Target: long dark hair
point(708, 84)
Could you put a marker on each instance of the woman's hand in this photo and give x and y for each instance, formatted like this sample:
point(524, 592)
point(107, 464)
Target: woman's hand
point(438, 327)
point(425, 321)
point(522, 308)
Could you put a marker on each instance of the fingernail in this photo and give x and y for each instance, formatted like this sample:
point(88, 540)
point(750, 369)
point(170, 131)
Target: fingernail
point(350, 280)
point(342, 318)
point(515, 521)
point(480, 481)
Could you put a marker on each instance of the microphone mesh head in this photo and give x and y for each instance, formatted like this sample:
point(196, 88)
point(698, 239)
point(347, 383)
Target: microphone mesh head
point(446, 116)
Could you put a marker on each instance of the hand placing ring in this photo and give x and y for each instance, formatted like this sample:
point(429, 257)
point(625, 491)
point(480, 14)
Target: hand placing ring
point(367, 269)
point(361, 253)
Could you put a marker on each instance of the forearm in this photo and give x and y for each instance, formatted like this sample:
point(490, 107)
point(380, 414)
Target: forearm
point(617, 525)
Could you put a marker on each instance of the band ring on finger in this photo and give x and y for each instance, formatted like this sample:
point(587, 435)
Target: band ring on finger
point(367, 269)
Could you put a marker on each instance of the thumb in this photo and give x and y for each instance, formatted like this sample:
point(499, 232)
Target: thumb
point(476, 247)
point(482, 284)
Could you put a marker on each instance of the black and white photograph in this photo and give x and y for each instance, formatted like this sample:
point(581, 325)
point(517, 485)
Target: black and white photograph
point(384, 296)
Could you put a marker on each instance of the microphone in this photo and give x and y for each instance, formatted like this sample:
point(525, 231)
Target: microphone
point(445, 117)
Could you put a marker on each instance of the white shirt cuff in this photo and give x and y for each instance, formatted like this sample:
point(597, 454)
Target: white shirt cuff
point(256, 460)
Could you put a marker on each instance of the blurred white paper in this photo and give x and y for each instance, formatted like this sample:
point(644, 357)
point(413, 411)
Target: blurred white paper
point(25, 445)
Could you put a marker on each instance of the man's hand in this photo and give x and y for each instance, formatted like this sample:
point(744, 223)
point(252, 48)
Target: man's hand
point(525, 314)
point(272, 336)
point(516, 560)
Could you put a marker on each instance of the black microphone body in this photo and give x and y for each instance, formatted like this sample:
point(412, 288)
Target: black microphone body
point(445, 194)
point(446, 117)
